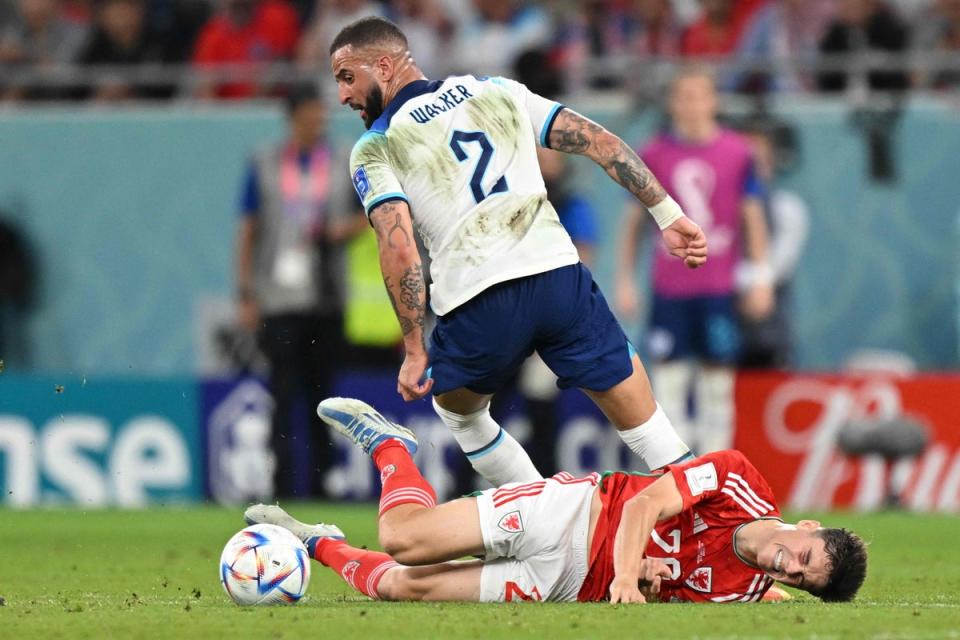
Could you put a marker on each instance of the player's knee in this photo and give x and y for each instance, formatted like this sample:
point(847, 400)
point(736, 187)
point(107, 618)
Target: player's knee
point(400, 544)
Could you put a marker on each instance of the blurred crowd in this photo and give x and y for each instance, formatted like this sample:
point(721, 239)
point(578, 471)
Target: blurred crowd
point(129, 49)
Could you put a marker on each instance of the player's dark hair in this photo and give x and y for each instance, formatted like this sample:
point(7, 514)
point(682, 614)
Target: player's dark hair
point(368, 31)
point(847, 556)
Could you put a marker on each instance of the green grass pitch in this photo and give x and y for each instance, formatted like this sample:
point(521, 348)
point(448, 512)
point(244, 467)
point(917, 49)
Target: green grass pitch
point(153, 574)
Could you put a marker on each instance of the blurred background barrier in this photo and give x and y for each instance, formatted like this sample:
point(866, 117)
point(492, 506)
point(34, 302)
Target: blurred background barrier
point(131, 442)
point(788, 425)
point(135, 273)
point(99, 442)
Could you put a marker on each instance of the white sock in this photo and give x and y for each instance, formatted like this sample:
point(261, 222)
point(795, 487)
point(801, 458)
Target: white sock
point(655, 441)
point(492, 452)
point(671, 383)
point(714, 395)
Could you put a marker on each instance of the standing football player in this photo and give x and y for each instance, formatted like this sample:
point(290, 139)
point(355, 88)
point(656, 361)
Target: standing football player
point(458, 157)
point(704, 530)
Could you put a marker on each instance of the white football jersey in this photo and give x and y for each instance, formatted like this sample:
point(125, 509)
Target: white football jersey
point(461, 152)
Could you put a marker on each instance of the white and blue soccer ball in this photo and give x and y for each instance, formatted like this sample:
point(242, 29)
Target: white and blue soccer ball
point(264, 565)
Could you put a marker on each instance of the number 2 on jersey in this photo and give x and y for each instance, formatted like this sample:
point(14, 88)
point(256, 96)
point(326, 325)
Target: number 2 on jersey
point(459, 140)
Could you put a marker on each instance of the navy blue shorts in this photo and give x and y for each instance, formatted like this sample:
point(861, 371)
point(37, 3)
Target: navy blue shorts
point(560, 313)
point(702, 327)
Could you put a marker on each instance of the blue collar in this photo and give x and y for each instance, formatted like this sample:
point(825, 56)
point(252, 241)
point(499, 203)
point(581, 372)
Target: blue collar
point(408, 92)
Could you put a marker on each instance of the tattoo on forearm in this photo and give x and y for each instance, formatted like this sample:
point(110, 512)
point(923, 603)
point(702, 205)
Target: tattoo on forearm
point(412, 290)
point(389, 226)
point(412, 287)
point(572, 133)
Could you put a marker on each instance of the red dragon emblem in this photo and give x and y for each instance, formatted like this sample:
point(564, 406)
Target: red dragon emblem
point(511, 522)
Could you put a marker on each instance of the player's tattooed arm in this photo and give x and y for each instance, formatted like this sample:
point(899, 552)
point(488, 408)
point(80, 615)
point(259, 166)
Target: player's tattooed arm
point(573, 133)
point(388, 223)
point(412, 308)
point(402, 269)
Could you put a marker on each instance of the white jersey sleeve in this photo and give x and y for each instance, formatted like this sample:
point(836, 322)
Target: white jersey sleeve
point(541, 111)
point(373, 177)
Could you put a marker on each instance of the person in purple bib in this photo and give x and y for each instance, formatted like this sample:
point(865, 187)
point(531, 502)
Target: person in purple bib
point(693, 336)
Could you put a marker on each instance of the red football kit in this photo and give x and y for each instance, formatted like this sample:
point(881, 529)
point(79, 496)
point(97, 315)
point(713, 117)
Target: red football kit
point(721, 491)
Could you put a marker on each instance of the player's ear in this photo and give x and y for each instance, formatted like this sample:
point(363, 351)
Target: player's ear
point(809, 525)
point(385, 68)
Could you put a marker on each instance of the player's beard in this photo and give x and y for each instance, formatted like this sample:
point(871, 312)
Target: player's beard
point(373, 108)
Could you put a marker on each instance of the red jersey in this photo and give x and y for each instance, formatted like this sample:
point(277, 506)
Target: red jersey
point(270, 35)
point(721, 491)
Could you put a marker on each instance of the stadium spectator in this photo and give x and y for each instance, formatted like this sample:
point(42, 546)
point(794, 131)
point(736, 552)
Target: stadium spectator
point(710, 171)
point(179, 22)
point(624, 32)
point(768, 341)
point(122, 39)
point(431, 26)
point(717, 31)
point(864, 26)
point(295, 216)
point(497, 33)
point(38, 39)
point(245, 33)
point(785, 33)
point(329, 17)
point(937, 30)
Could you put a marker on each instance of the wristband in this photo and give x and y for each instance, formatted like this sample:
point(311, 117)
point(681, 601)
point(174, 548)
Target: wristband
point(751, 274)
point(666, 212)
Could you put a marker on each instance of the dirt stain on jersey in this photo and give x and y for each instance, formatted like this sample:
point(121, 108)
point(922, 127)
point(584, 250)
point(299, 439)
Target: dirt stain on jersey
point(418, 150)
point(496, 113)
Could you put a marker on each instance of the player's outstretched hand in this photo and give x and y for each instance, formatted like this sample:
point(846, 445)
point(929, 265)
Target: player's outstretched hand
point(685, 240)
point(410, 383)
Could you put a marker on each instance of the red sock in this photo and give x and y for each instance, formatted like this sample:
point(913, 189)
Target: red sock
point(401, 480)
point(361, 569)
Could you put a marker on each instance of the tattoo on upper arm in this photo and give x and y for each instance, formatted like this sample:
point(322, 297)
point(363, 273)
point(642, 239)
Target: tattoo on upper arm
point(573, 133)
point(388, 224)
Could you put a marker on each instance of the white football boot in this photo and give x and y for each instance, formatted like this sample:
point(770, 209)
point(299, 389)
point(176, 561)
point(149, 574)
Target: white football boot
point(272, 514)
point(363, 424)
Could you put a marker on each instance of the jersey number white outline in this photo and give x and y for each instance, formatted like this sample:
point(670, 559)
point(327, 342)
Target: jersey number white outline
point(457, 142)
point(669, 547)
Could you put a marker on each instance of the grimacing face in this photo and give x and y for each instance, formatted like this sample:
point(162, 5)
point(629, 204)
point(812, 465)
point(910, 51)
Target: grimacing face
point(795, 555)
point(357, 86)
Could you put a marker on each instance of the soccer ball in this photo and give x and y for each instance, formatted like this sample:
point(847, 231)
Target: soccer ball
point(263, 565)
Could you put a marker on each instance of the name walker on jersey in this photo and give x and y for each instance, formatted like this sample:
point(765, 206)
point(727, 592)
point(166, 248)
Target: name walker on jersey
point(445, 101)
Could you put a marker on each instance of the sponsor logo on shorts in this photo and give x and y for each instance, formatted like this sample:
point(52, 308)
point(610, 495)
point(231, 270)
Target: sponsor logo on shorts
point(511, 522)
point(701, 579)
